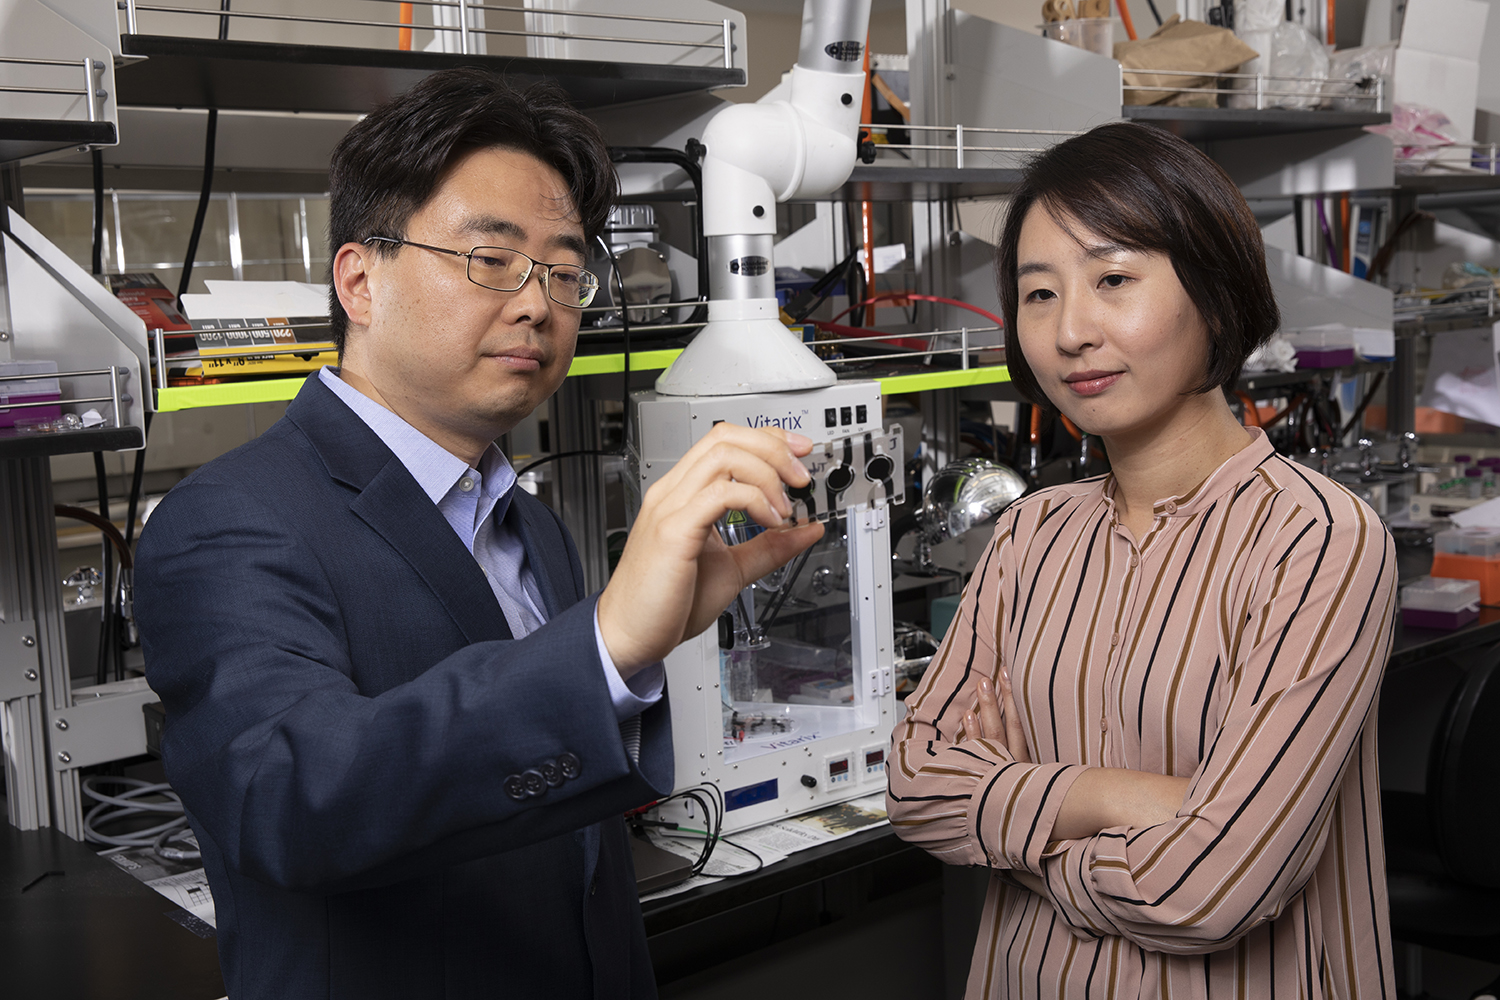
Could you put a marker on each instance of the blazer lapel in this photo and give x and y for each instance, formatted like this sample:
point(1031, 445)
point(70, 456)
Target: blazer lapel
point(395, 506)
point(546, 553)
point(390, 501)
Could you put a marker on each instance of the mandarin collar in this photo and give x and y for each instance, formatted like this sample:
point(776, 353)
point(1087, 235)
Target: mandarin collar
point(1235, 470)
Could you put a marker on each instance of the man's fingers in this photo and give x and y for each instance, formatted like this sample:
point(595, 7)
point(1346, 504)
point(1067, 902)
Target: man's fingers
point(773, 548)
point(771, 446)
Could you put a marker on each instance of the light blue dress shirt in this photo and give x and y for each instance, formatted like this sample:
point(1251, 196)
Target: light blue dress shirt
point(474, 502)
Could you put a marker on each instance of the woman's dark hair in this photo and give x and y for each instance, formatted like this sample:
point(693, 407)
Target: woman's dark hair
point(1145, 189)
point(386, 167)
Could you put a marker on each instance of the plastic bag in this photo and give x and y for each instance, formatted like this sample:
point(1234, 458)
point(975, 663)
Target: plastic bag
point(1296, 53)
point(1178, 45)
point(1352, 76)
point(1259, 40)
point(1418, 133)
point(1275, 355)
point(1467, 274)
point(1257, 15)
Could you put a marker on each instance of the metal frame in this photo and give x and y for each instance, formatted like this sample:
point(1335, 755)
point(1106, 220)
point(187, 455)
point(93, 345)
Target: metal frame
point(90, 91)
point(464, 29)
point(1321, 89)
point(959, 148)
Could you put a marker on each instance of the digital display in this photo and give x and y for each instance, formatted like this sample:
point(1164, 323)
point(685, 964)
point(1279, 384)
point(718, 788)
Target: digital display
point(750, 795)
point(874, 758)
point(838, 767)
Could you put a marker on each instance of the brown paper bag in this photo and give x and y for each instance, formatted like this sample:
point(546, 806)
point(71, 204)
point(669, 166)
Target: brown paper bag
point(1182, 45)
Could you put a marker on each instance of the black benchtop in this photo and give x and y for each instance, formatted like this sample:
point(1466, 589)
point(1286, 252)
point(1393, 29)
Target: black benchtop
point(91, 932)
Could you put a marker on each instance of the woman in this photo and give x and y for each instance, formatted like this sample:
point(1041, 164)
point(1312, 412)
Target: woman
point(1153, 717)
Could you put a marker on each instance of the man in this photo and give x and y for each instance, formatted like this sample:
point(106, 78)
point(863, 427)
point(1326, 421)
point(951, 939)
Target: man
point(402, 733)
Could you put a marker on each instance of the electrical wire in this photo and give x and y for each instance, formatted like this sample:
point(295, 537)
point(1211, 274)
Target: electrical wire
point(98, 247)
point(210, 142)
point(614, 270)
point(140, 798)
point(823, 288)
point(111, 533)
point(106, 617)
point(710, 799)
point(921, 298)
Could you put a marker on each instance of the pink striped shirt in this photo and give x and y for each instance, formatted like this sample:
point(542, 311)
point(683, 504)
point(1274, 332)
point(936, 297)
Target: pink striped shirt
point(1241, 644)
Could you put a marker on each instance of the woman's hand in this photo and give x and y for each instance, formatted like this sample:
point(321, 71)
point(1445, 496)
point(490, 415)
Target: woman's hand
point(994, 718)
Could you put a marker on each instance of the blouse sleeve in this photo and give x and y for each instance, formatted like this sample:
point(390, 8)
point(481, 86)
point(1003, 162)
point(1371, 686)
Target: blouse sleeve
point(968, 801)
point(1306, 666)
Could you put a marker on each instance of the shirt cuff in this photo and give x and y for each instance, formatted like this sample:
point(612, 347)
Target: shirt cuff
point(1016, 810)
point(634, 696)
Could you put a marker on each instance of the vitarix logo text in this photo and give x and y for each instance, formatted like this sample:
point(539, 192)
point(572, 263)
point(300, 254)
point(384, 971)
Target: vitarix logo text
point(790, 422)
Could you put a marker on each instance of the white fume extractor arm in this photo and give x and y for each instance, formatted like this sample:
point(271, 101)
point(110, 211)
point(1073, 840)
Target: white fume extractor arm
point(758, 155)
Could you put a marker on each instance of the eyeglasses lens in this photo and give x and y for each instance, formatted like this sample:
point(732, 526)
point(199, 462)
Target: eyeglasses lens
point(507, 270)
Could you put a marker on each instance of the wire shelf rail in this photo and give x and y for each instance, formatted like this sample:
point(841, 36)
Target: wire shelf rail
point(91, 92)
point(962, 146)
point(467, 32)
point(1265, 90)
point(116, 399)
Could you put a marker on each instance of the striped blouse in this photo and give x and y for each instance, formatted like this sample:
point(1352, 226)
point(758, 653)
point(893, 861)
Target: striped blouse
point(1241, 643)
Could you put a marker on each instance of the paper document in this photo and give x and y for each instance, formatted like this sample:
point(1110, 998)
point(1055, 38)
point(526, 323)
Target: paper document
point(773, 842)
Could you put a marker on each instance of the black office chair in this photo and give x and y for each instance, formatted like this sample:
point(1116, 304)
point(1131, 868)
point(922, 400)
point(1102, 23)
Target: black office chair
point(1443, 842)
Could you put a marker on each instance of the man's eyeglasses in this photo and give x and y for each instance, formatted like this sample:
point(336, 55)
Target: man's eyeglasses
point(506, 270)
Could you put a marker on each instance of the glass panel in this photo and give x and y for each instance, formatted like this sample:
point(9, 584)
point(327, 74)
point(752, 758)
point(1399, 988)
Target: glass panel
point(271, 239)
point(69, 224)
point(791, 677)
point(157, 231)
point(317, 237)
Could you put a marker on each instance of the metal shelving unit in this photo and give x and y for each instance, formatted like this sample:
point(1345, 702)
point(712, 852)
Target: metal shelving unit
point(173, 70)
point(1211, 124)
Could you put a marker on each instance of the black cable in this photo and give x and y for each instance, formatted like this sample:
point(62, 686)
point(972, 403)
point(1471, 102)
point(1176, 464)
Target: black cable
point(111, 534)
point(1297, 205)
point(773, 606)
point(209, 142)
point(106, 618)
point(760, 862)
point(98, 256)
point(688, 162)
point(136, 477)
point(1154, 12)
point(561, 454)
point(614, 269)
point(614, 266)
point(823, 288)
point(224, 22)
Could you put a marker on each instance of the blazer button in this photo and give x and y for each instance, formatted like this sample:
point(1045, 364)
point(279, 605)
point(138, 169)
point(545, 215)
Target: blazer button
point(533, 782)
point(569, 765)
point(551, 772)
point(515, 788)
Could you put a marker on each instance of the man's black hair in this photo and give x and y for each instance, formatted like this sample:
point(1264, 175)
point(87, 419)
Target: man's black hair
point(388, 165)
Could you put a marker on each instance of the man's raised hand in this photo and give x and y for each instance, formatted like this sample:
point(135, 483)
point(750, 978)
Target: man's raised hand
point(676, 575)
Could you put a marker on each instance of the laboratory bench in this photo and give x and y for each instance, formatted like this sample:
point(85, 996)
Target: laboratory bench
point(77, 927)
point(60, 896)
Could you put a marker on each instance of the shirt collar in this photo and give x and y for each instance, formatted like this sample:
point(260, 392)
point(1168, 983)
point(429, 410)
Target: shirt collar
point(1235, 470)
point(435, 469)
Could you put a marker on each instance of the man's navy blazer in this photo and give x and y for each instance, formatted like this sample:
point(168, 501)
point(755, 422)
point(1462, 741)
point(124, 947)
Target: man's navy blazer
point(344, 704)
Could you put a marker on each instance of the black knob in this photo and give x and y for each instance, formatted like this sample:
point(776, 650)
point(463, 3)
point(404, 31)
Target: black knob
point(809, 781)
